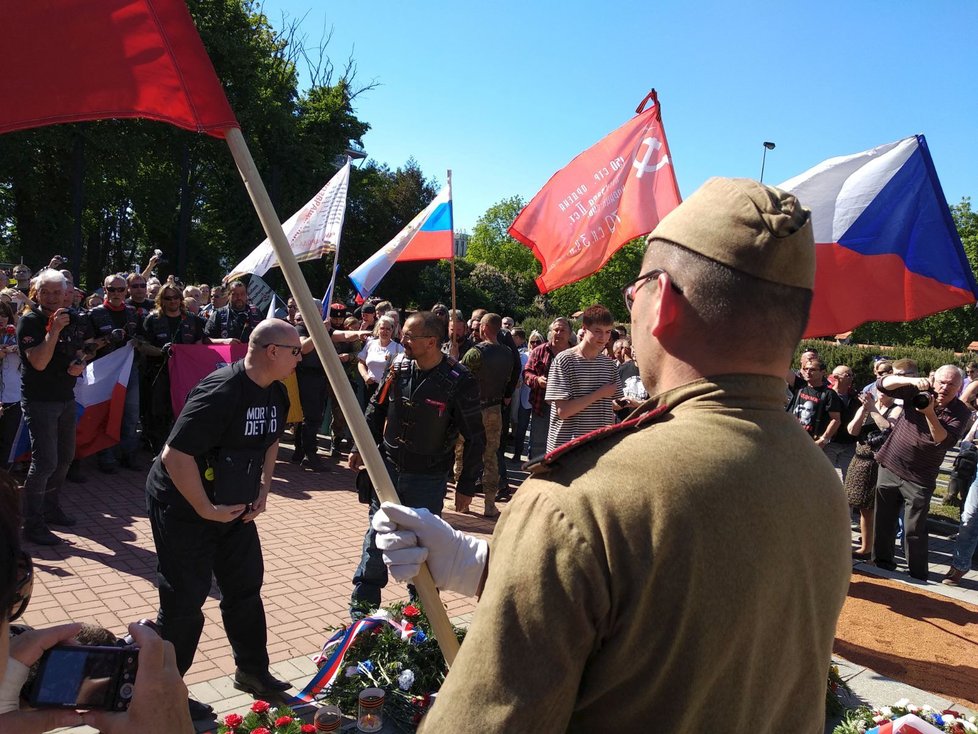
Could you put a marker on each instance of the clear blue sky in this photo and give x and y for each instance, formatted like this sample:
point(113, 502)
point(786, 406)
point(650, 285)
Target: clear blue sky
point(506, 93)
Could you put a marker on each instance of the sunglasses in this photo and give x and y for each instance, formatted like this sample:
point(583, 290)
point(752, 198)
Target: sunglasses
point(115, 290)
point(629, 291)
point(24, 587)
point(295, 350)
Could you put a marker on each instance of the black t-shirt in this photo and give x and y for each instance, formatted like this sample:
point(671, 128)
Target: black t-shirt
point(105, 321)
point(226, 410)
point(310, 362)
point(53, 383)
point(812, 405)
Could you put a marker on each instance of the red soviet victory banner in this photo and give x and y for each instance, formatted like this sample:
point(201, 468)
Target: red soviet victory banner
point(72, 60)
point(616, 190)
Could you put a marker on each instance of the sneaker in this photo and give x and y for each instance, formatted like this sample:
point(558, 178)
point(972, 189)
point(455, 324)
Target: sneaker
point(61, 519)
point(314, 464)
point(953, 577)
point(42, 536)
point(200, 710)
point(504, 495)
point(264, 684)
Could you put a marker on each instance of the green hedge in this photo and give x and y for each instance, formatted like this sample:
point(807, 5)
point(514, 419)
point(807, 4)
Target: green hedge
point(860, 357)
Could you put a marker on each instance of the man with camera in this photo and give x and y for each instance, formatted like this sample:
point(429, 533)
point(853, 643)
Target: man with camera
point(51, 341)
point(933, 421)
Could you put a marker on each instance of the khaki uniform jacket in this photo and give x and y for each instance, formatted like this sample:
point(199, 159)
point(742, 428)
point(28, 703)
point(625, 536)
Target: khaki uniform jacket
point(684, 576)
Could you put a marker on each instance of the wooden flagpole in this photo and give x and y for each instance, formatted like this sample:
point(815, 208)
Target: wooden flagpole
point(451, 221)
point(342, 389)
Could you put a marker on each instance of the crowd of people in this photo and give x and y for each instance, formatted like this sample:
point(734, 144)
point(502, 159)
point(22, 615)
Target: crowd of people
point(887, 442)
point(579, 563)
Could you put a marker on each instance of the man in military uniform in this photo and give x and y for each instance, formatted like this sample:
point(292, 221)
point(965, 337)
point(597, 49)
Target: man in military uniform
point(427, 400)
point(115, 325)
point(234, 322)
point(655, 576)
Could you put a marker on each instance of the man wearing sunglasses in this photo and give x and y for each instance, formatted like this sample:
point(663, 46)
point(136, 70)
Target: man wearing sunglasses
point(205, 490)
point(685, 569)
point(115, 324)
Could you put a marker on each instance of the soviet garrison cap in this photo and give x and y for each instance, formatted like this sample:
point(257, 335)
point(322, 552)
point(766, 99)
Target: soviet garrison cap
point(747, 226)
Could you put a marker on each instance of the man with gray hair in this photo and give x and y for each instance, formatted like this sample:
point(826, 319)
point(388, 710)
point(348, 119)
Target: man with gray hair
point(933, 421)
point(535, 376)
point(631, 567)
point(51, 341)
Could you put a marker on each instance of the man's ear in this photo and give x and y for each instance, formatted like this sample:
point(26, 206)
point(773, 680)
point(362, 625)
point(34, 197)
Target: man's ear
point(666, 308)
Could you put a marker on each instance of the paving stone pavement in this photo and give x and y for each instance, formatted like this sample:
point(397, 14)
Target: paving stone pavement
point(311, 538)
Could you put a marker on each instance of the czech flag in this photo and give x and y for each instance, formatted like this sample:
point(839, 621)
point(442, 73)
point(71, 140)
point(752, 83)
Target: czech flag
point(101, 397)
point(426, 237)
point(886, 245)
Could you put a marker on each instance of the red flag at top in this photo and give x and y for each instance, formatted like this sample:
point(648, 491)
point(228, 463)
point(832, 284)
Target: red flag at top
point(616, 190)
point(72, 60)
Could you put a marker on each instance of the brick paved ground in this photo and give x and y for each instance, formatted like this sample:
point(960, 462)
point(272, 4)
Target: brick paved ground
point(311, 537)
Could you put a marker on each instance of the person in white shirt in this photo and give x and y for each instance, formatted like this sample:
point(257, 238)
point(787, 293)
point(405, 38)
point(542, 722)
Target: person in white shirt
point(378, 354)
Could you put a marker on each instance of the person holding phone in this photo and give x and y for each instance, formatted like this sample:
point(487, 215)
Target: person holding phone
point(158, 688)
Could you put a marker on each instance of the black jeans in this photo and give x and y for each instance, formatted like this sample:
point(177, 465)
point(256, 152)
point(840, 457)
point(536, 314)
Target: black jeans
point(312, 396)
point(190, 548)
point(52, 429)
point(891, 493)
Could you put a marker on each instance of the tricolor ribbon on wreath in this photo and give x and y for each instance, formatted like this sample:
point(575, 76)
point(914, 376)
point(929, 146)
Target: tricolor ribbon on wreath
point(330, 658)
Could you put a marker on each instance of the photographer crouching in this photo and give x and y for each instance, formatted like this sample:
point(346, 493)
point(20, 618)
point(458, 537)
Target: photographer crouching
point(933, 421)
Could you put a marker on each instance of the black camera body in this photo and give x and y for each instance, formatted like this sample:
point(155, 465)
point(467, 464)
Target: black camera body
point(99, 677)
point(921, 400)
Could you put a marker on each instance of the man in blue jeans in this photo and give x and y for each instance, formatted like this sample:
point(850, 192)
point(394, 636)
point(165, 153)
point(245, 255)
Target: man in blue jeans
point(964, 547)
point(52, 361)
point(427, 401)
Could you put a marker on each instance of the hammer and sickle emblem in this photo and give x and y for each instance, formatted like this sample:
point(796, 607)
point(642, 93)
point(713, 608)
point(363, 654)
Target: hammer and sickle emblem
point(652, 145)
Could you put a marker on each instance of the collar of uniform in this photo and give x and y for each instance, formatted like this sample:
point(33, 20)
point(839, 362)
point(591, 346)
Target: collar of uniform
point(754, 391)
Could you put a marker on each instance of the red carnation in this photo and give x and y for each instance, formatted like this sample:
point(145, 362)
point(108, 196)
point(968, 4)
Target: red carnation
point(408, 626)
point(233, 720)
point(260, 730)
point(283, 721)
point(308, 729)
point(260, 707)
point(411, 611)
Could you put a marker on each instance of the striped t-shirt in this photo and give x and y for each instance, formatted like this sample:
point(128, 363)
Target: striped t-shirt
point(573, 376)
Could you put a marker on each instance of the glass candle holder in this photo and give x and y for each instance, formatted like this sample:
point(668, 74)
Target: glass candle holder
point(328, 718)
point(371, 710)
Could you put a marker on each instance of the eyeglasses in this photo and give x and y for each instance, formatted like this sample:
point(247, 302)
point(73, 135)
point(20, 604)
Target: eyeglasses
point(24, 587)
point(115, 290)
point(629, 291)
point(295, 350)
point(405, 336)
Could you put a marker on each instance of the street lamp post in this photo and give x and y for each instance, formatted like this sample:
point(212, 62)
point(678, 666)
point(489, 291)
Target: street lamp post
point(768, 145)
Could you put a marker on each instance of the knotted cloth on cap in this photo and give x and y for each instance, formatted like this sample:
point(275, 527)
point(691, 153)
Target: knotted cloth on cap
point(747, 226)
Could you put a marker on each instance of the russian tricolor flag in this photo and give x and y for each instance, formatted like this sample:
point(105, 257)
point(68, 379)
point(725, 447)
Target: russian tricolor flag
point(101, 397)
point(886, 245)
point(427, 237)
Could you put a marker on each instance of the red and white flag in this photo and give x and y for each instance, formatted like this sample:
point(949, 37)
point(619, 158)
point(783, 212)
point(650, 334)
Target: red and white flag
point(101, 397)
point(71, 60)
point(616, 190)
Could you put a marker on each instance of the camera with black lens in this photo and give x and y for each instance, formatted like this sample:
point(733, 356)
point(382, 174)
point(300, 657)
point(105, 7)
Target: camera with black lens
point(922, 400)
point(117, 337)
point(876, 439)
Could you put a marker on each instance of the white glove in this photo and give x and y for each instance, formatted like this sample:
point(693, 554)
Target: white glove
point(408, 536)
